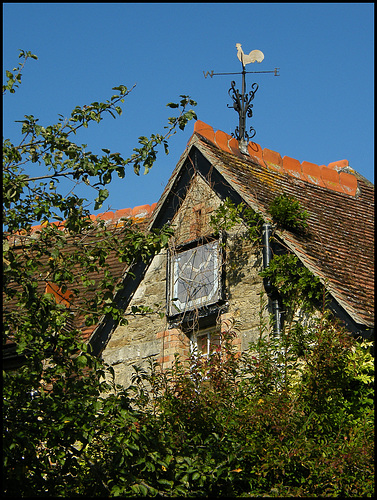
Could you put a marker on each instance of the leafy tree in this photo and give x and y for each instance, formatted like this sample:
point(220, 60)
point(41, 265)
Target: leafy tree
point(291, 416)
point(225, 425)
point(53, 402)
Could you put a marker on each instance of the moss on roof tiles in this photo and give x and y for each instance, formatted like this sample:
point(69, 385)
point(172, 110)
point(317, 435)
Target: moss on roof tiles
point(342, 226)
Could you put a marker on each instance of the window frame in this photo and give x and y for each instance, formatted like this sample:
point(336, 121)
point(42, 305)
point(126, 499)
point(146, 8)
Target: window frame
point(213, 338)
point(203, 308)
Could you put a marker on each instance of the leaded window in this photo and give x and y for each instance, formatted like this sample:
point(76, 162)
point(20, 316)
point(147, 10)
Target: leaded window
point(194, 278)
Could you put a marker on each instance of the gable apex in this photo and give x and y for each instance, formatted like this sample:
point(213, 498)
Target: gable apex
point(340, 202)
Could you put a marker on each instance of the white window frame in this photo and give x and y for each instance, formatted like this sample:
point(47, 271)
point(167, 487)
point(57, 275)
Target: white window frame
point(209, 334)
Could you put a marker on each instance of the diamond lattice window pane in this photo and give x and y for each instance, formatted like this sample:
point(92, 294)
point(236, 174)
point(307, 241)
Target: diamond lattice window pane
point(195, 278)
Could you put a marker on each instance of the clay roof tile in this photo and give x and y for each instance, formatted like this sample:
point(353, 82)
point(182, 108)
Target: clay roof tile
point(340, 202)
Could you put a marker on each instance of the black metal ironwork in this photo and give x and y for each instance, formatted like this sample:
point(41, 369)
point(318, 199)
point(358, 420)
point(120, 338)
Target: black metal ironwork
point(212, 74)
point(242, 104)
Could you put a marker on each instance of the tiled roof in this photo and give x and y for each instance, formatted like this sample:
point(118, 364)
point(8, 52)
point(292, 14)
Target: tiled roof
point(340, 245)
point(139, 215)
point(337, 176)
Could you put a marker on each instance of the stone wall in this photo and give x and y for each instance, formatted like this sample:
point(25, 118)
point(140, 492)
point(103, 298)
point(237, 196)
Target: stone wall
point(152, 335)
point(135, 342)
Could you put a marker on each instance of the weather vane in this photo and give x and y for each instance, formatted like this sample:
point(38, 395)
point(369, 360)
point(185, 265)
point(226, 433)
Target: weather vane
point(242, 102)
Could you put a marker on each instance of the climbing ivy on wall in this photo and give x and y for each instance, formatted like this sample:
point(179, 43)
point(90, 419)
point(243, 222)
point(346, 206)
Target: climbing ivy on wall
point(295, 283)
point(228, 215)
point(297, 286)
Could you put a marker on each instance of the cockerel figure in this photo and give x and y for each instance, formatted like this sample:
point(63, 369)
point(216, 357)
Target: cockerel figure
point(255, 55)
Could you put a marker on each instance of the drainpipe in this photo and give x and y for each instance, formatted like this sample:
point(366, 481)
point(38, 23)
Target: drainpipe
point(270, 290)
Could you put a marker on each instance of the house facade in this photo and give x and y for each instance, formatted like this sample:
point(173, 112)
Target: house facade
point(208, 280)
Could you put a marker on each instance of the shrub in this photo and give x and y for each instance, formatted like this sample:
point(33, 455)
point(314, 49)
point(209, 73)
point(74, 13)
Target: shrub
point(231, 425)
point(287, 213)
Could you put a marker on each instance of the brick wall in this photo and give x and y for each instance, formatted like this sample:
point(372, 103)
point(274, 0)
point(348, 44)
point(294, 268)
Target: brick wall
point(173, 342)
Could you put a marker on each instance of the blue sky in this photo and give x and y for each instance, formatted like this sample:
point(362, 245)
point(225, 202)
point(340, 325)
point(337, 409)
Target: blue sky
point(320, 108)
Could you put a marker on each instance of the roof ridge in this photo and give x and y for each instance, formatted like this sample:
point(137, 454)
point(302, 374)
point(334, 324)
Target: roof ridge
point(336, 176)
point(136, 214)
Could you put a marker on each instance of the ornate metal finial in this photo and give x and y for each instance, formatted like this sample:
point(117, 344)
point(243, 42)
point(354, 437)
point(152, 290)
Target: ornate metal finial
point(241, 101)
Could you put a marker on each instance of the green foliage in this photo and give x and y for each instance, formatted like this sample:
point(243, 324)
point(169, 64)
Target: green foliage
point(147, 153)
point(291, 416)
point(33, 198)
point(296, 284)
point(54, 404)
point(228, 215)
point(14, 79)
point(231, 425)
point(287, 213)
point(255, 222)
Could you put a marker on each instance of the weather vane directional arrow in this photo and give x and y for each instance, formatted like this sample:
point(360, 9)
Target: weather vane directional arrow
point(242, 102)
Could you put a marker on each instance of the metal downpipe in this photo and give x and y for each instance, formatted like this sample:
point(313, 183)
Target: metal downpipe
point(270, 290)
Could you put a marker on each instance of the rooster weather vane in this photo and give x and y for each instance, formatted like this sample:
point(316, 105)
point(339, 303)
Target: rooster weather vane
point(242, 102)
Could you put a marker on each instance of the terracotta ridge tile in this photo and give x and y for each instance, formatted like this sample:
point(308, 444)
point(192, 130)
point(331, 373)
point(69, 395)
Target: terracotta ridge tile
point(204, 130)
point(338, 165)
point(336, 176)
point(137, 214)
point(320, 175)
point(222, 140)
point(348, 183)
point(293, 167)
point(273, 160)
point(256, 153)
point(331, 179)
point(312, 173)
point(219, 138)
